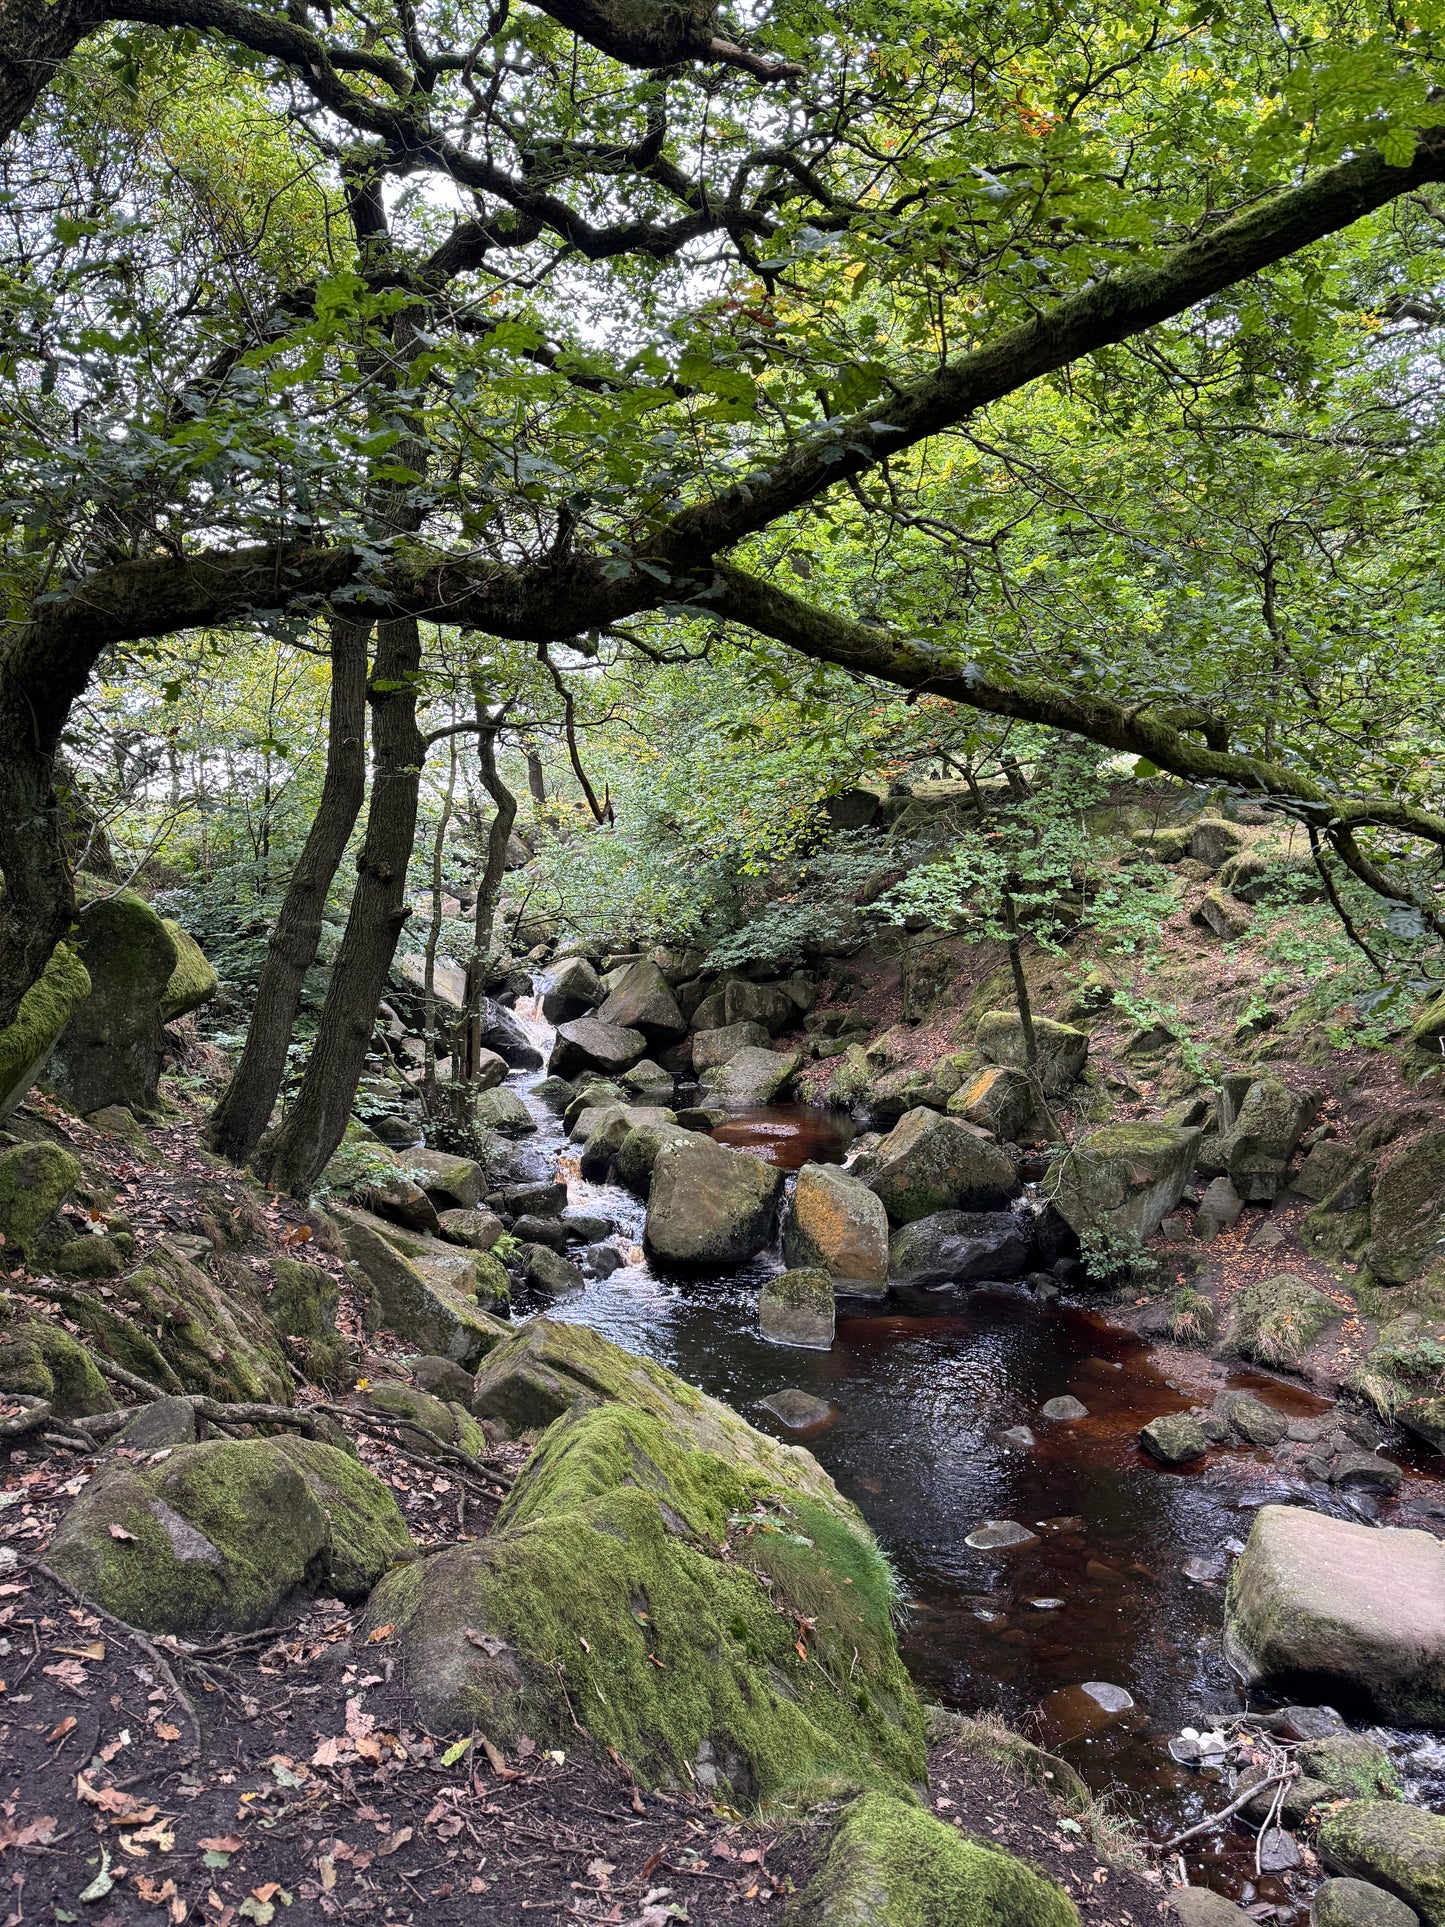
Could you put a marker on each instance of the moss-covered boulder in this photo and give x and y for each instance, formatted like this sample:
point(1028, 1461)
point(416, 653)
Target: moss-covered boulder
point(1407, 1212)
point(1124, 1178)
point(503, 1111)
point(1062, 1050)
point(1174, 1438)
point(1427, 1033)
point(35, 1180)
point(929, 1163)
point(711, 1615)
point(192, 982)
point(220, 1535)
point(1344, 1902)
point(709, 1205)
point(1352, 1766)
point(414, 1406)
point(39, 1359)
point(1348, 1613)
point(797, 1308)
point(302, 1308)
point(456, 1267)
point(892, 1864)
point(713, 1047)
point(1276, 1319)
point(998, 1099)
point(1257, 1139)
point(425, 1308)
point(889, 1096)
point(752, 1076)
point(1400, 1848)
point(638, 1152)
point(837, 1223)
point(45, 1009)
point(452, 1183)
point(110, 1051)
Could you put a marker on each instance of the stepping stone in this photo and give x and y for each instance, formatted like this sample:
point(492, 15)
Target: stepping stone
point(797, 1410)
point(1061, 1410)
point(999, 1535)
point(1356, 1903)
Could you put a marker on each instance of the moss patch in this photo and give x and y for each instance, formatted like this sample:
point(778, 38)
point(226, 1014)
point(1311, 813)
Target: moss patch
point(1277, 1319)
point(45, 1010)
point(892, 1864)
point(192, 982)
point(34, 1179)
point(39, 1358)
point(368, 1533)
point(1398, 1847)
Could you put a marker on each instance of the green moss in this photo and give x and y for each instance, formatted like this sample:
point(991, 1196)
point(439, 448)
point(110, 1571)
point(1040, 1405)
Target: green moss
point(220, 1535)
point(1352, 1767)
point(86, 1257)
point(45, 1010)
point(368, 1532)
point(192, 982)
point(604, 1576)
point(1407, 1212)
point(494, 1287)
point(34, 1179)
point(1398, 1847)
point(39, 1358)
point(1277, 1319)
point(808, 1288)
point(304, 1299)
point(892, 1864)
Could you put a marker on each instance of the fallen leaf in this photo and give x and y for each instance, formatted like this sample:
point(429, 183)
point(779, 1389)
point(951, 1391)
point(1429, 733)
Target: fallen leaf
point(33, 1833)
point(326, 1868)
point(158, 1835)
point(102, 1883)
point(357, 1721)
point(153, 1895)
point(328, 1753)
point(95, 1650)
point(127, 1812)
point(487, 1642)
point(178, 1910)
point(62, 1731)
point(163, 1730)
point(268, 1890)
point(119, 1532)
point(261, 1911)
point(454, 1752)
point(369, 1747)
point(393, 1841)
point(379, 1633)
point(496, 1758)
point(222, 1843)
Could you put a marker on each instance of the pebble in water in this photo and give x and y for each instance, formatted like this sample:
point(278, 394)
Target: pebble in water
point(1063, 1409)
point(1044, 1605)
point(998, 1535)
point(1202, 1571)
point(797, 1410)
point(1112, 1699)
point(1018, 1436)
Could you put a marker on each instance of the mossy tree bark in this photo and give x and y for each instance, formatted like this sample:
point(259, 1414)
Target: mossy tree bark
point(489, 889)
point(296, 1155)
point(242, 1115)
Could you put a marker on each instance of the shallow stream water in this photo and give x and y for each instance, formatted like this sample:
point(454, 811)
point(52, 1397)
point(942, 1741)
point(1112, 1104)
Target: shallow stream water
point(920, 1396)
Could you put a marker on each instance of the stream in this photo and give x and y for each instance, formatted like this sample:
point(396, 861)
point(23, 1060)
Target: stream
point(921, 1395)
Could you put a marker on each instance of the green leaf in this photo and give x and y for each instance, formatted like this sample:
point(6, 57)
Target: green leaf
point(455, 1751)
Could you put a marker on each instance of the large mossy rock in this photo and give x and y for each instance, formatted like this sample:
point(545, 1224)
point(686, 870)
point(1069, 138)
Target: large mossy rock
point(892, 1864)
point(1276, 1319)
point(642, 1000)
point(709, 1205)
point(35, 1180)
point(110, 1051)
point(1400, 1848)
point(1255, 1145)
point(456, 1268)
point(588, 1044)
point(42, 1361)
point(604, 1581)
point(1407, 1212)
point(185, 1331)
point(452, 1183)
point(639, 1151)
point(220, 1535)
point(1350, 1614)
point(1062, 1050)
point(192, 982)
point(837, 1224)
point(929, 1163)
point(502, 1110)
point(711, 1048)
point(752, 1076)
point(1125, 1178)
point(766, 1004)
point(302, 1308)
point(997, 1099)
point(425, 1309)
point(45, 1009)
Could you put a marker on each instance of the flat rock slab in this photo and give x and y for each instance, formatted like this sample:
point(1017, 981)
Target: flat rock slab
point(799, 1411)
point(1356, 1608)
point(1000, 1535)
point(1062, 1410)
point(1356, 1903)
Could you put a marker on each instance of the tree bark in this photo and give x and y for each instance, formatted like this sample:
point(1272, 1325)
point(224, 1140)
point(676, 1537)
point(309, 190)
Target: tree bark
point(489, 888)
point(244, 1111)
point(301, 1147)
point(36, 38)
point(434, 932)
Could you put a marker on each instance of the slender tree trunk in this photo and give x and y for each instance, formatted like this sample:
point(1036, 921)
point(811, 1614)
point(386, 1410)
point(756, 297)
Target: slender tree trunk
point(1026, 1012)
point(536, 775)
point(489, 888)
point(301, 1147)
point(245, 1108)
point(434, 932)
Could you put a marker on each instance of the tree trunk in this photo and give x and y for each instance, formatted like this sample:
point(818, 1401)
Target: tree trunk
point(245, 1108)
point(1026, 1012)
point(489, 889)
point(434, 932)
point(36, 37)
point(304, 1140)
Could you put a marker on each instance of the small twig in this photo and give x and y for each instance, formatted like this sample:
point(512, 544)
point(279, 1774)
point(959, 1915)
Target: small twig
point(1217, 1819)
point(152, 1651)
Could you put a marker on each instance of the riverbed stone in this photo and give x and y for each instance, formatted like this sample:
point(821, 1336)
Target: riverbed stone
point(929, 1163)
point(1254, 1420)
point(1203, 1907)
point(549, 1272)
point(1255, 1148)
point(648, 1083)
point(637, 1153)
point(713, 1047)
point(1124, 1178)
point(1174, 1438)
point(752, 1076)
point(401, 1201)
point(1276, 1319)
point(606, 1551)
point(1000, 1535)
point(1063, 1410)
point(602, 1131)
point(1407, 1211)
point(452, 1183)
point(893, 1864)
point(766, 1004)
point(799, 1411)
point(836, 1222)
point(956, 1247)
point(589, 1044)
point(903, 1089)
point(503, 1111)
point(572, 989)
point(1353, 1609)
point(429, 1311)
point(1398, 1847)
point(998, 1098)
point(1344, 1902)
point(797, 1308)
point(1062, 1050)
point(477, 1230)
point(1352, 1766)
point(1219, 1209)
point(710, 1205)
point(642, 1000)
point(45, 1010)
